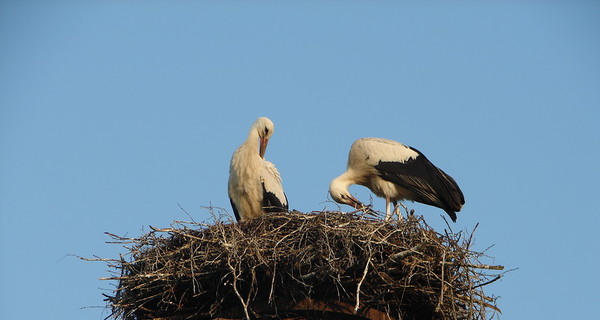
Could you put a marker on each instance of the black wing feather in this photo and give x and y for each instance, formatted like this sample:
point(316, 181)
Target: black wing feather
point(235, 210)
point(431, 185)
point(270, 202)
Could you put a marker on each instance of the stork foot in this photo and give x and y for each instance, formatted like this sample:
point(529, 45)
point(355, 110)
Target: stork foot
point(387, 214)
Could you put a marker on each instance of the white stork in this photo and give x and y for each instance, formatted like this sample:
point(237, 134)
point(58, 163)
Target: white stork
point(395, 172)
point(254, 183)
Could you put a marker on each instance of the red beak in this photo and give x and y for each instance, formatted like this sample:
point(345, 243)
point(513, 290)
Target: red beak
point(361, 206)
point(357, 204)
point(263, 147)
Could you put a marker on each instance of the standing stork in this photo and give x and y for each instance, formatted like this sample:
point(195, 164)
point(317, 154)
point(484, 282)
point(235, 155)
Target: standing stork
point(254, 183)
point(394, 171)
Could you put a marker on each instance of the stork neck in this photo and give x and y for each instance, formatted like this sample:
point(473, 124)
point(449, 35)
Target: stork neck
point(252, 143)
point(344, 180)
point(350, 177)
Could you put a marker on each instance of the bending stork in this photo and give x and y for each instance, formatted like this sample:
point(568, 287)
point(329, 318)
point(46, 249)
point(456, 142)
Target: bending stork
point(395, 172)
point(254, 183)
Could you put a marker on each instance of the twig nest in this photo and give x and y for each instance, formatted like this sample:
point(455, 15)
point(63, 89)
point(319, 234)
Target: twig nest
point(301, 266)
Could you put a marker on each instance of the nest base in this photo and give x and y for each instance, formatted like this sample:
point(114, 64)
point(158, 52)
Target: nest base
point(322, 265)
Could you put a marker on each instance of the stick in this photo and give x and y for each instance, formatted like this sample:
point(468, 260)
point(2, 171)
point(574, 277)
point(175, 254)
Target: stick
point(441, 300)
point(356, 306)
point(475, 266)
point(235, 289)
point(408, 252)
point(488, 282)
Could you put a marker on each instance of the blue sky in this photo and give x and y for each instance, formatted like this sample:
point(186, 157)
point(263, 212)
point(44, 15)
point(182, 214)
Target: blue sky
point(114, 113)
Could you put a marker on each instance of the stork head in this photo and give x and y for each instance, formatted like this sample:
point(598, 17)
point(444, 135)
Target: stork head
point(265, 128)
point(338, 189)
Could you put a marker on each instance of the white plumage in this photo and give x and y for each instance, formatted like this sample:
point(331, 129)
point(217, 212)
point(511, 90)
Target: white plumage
point(254, 185)
point(394, 171)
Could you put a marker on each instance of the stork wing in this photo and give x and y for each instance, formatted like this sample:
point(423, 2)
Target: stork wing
point(274, 198)
point(235, 210)
point(429, 184)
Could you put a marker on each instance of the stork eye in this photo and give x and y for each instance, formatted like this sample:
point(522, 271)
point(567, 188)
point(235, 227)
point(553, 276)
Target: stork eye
point(267, 130)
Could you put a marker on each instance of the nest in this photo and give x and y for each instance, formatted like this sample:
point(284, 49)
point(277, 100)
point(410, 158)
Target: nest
point(323, 265)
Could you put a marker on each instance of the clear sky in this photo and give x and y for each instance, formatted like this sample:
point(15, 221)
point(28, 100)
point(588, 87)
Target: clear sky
point(114, 113)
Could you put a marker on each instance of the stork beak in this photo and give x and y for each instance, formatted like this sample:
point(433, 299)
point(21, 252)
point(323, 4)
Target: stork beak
point(362, 207)
point(357, 204)
point(263, 146)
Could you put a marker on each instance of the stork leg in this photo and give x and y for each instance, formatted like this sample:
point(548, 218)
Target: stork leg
point(387, 209)
point(397, 211)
